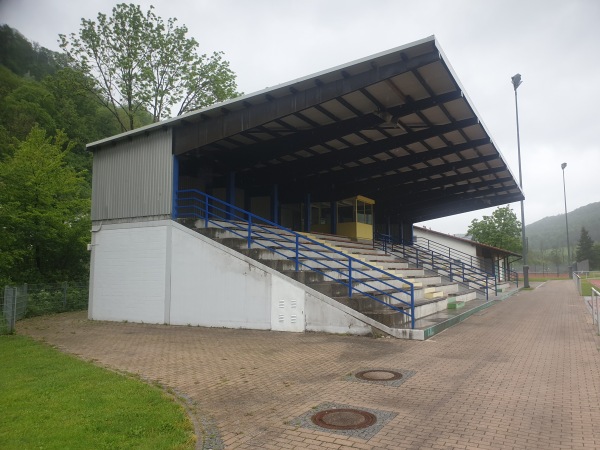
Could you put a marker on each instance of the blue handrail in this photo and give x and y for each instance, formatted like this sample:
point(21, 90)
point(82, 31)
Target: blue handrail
point(424, 257)
point(302, 250)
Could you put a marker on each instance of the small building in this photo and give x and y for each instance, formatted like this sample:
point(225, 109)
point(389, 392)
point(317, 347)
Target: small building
point(374, 145)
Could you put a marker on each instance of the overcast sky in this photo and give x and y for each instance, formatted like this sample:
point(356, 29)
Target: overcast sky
point(553, 44)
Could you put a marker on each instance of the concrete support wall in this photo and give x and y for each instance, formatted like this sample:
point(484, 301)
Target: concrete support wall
point(129, 273)
point(162, 272)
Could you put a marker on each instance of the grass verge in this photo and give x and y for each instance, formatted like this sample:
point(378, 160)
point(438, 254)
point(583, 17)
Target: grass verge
point(548, 278)
point(586, 288)
point(3, 324)
point(51, 400)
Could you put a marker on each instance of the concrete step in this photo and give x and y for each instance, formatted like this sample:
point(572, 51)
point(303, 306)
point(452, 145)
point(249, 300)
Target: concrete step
point(276, 249)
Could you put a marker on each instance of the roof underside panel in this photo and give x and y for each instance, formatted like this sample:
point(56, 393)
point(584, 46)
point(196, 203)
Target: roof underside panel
point(395, 127)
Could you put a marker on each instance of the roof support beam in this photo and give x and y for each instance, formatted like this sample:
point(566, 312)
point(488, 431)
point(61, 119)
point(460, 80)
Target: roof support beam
point(401, 180)
point(216, 128)
point(448, 185)
point(407, 199)
point(351, 154)
point(353, 174)
point(301, 140)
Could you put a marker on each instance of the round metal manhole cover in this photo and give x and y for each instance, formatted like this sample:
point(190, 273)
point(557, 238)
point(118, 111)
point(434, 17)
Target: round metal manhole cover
point(378, 375)
point(344, 419)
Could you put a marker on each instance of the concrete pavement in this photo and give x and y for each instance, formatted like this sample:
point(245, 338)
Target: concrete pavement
point(524, 374)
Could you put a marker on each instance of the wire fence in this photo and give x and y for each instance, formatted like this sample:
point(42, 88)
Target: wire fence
point(30, 300)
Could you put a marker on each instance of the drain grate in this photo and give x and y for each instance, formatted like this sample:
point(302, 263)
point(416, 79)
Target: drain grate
point(378, 375)
point(344, 419)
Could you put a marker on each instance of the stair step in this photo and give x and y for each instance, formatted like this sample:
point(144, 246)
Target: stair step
point(434, 294)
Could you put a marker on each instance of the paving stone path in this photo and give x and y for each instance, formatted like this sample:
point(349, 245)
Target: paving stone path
point(524, 374)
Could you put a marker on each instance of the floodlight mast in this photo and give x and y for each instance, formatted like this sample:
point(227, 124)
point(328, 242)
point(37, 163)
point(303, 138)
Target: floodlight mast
point(516, 81)
point(562, 166)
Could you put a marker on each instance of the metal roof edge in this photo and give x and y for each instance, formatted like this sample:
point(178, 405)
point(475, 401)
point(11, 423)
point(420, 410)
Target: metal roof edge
point(174, 120)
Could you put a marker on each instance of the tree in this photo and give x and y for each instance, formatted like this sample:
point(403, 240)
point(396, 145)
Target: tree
point(584, 246)
point(595, 257)
point(501, 229)
point(136, 62)
point(44, 212)
point(557, 257)
point(24, 58)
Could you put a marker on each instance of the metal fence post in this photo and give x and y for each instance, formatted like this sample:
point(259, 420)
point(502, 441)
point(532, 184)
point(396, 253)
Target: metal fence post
point(249, 231)
point(205, 211)
point(349, 277)
point(297, 259)
point(10, 307)
point(597, 313)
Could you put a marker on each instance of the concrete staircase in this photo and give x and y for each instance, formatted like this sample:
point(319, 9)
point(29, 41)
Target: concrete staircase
point(274, 248)
point(449, 268)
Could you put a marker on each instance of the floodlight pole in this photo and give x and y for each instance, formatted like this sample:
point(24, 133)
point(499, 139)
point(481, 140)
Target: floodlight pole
point(516, 81)
point(562, 166)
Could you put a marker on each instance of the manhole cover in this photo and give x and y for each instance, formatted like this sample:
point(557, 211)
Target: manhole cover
point(344, 419)
point(378, 375)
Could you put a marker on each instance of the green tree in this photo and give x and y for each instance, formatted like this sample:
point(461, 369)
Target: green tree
point(584, 246)
point(25, 58)
point(134, 61)
point(26, 106)
point(44, 212)
point(557, 258)
point(595, 257)
point(501, 229)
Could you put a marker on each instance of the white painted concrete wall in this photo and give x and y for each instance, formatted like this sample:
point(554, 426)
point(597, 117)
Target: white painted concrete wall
point(215, 288)
point(447, 240)
point(129, 272)
point(162, 272)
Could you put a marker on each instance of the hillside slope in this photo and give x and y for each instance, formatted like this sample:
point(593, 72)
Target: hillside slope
point(551, 231)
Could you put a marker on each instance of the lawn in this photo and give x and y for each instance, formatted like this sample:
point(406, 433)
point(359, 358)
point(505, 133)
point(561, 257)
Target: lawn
point(3, 324)
point(51, 400)
point(586, 287)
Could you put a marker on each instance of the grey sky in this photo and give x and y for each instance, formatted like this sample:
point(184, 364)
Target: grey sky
point(553, 44)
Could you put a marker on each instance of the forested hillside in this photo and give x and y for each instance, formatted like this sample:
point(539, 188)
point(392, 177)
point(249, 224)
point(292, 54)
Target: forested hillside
point(550, 232)
point(37, 87)
point(45, 171)
point(52, 104)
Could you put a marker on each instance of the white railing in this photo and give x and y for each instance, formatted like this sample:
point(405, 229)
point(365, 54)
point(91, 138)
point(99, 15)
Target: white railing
point(593, 302)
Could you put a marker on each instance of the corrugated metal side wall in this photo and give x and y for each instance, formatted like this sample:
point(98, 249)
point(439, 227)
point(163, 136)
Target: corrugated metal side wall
point(133, 179)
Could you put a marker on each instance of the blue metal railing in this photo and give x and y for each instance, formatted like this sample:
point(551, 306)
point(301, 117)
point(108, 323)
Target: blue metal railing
point(469, 260)
point(305, 252)
point(454, 269)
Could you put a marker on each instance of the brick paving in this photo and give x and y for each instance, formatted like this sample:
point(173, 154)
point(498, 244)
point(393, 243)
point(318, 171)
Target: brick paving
point(524, 374)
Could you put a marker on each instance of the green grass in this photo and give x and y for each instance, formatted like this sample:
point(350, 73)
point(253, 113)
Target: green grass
point(3, 324)
point(546, 278)
point(586, 288)
point(50, 400)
